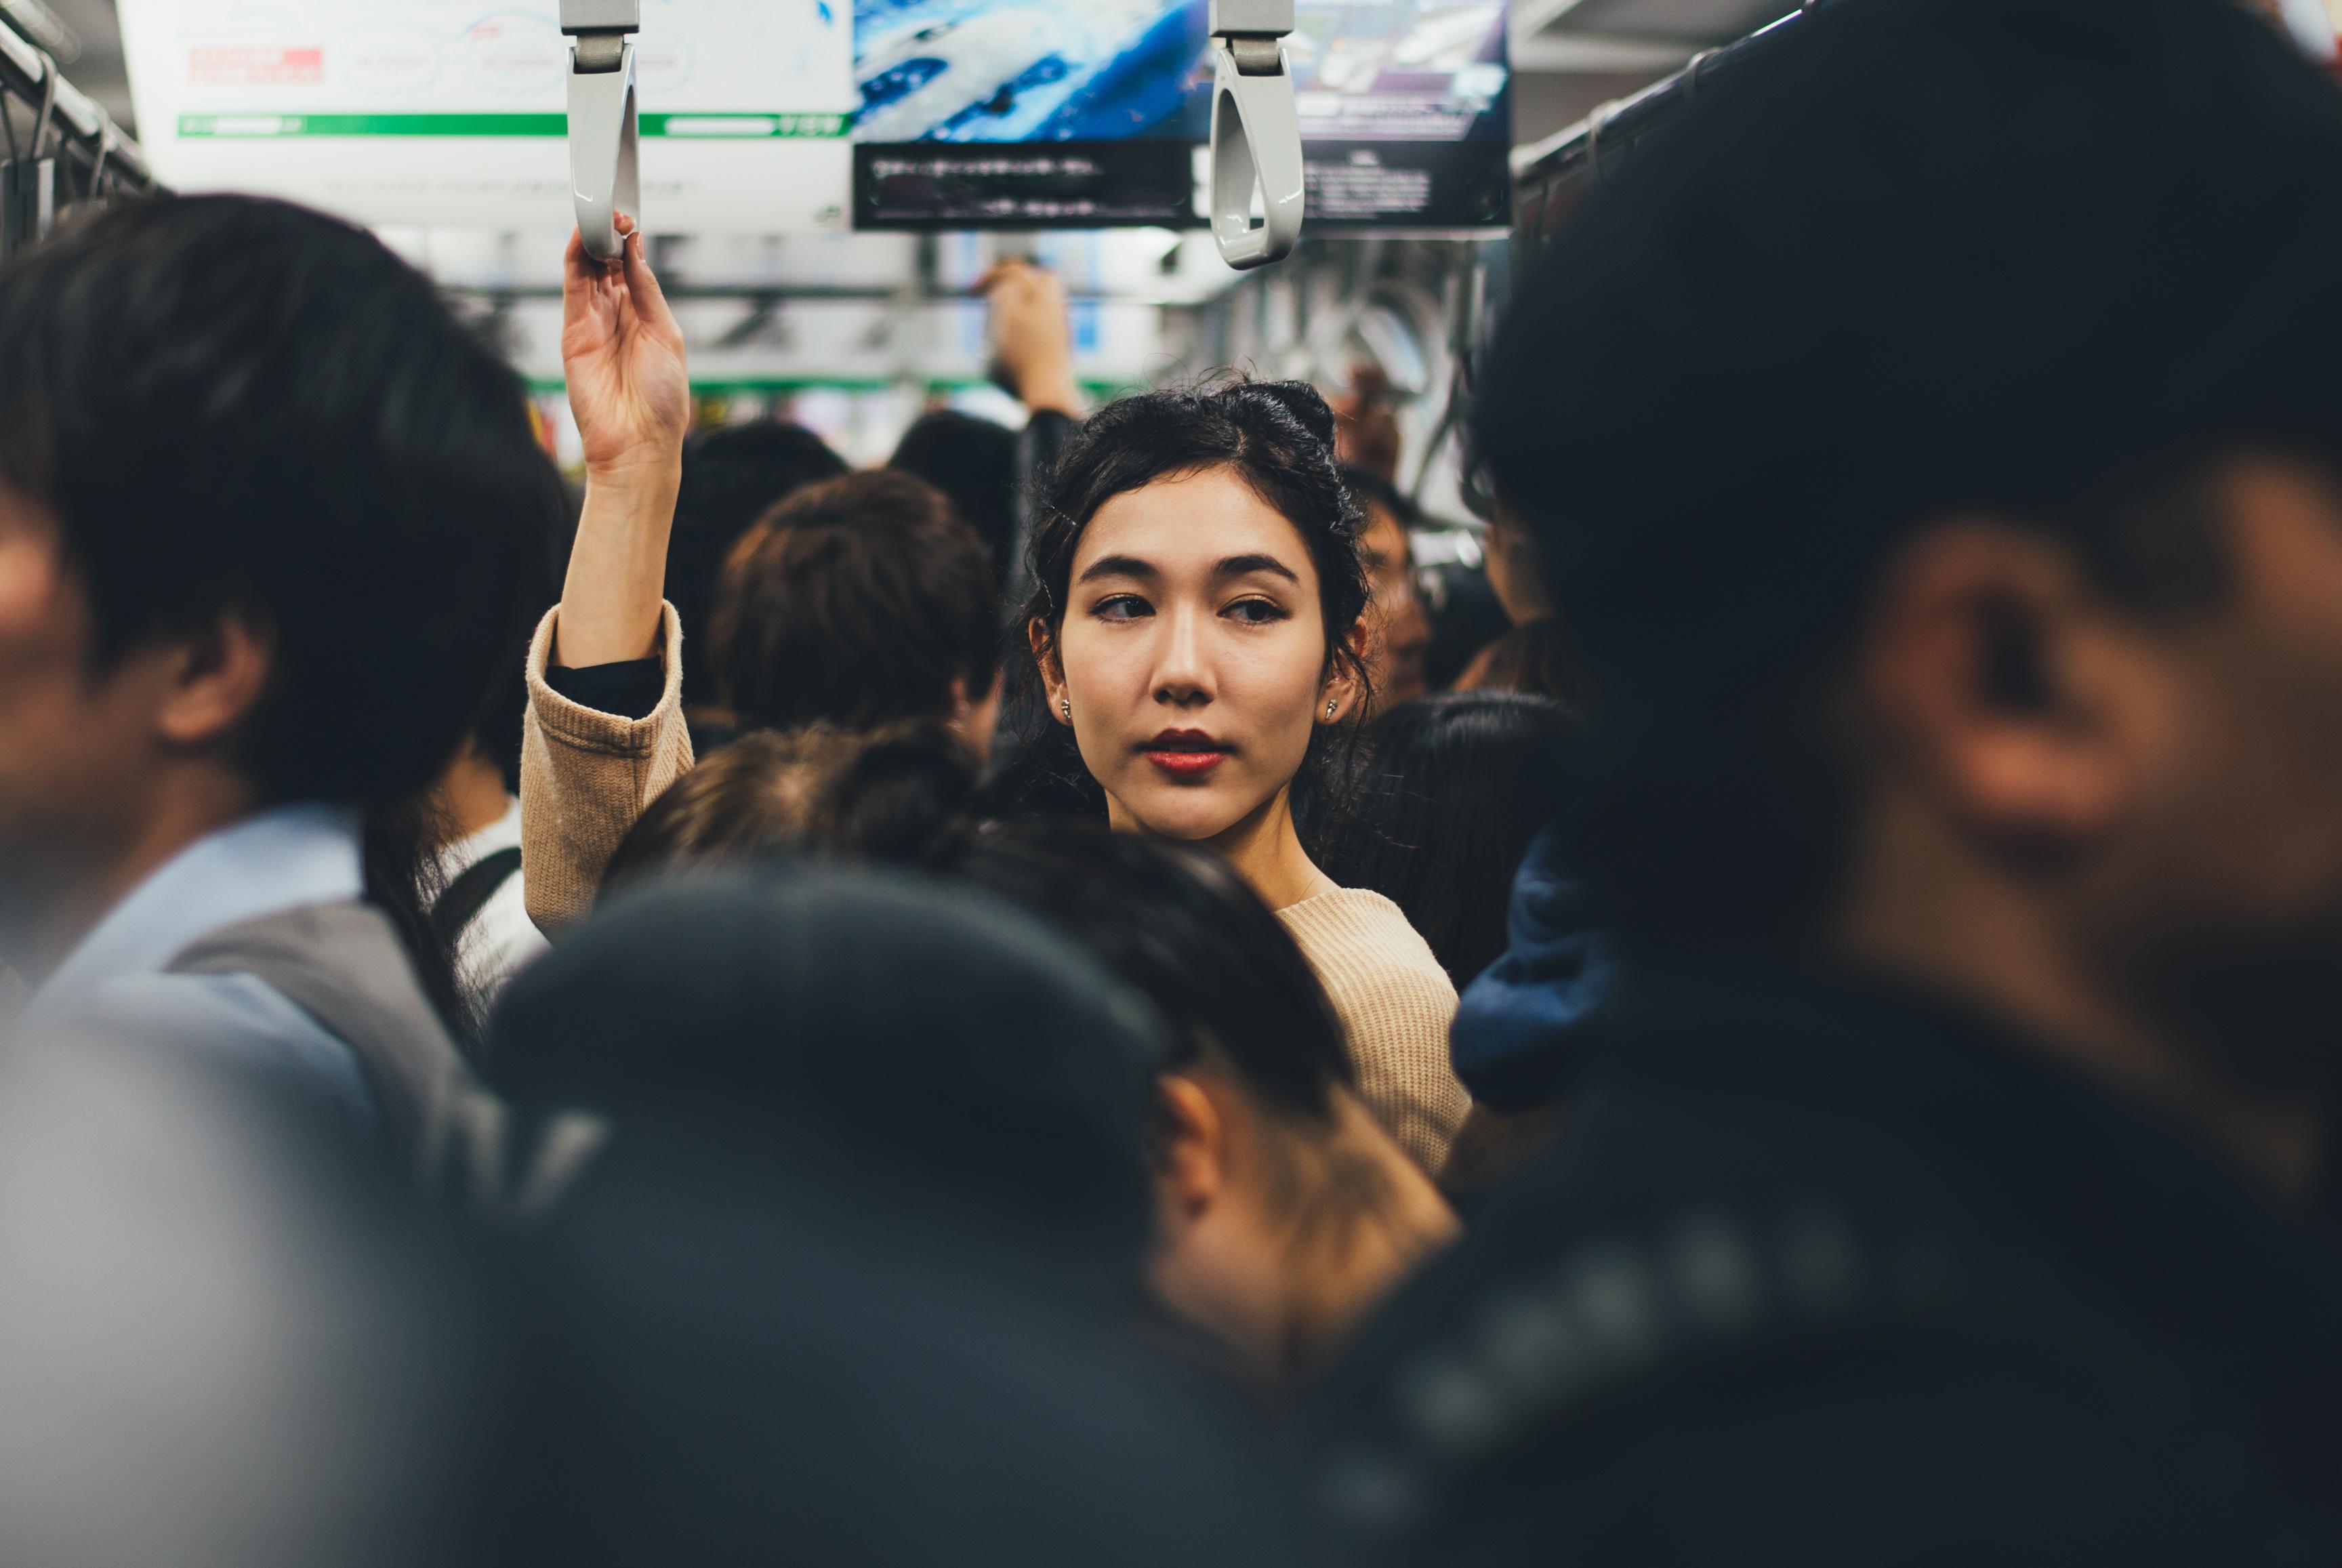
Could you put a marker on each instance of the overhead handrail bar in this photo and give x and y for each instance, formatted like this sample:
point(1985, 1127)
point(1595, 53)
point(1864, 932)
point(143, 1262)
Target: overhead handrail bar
point(80, 127)
point(1592, 143)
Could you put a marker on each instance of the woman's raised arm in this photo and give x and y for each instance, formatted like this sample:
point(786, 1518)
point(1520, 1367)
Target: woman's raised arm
point(631, 393)
point(588, 773)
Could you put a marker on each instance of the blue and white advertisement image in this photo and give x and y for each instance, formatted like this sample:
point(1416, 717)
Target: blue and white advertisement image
point(1030, 112)
point(1031, 70)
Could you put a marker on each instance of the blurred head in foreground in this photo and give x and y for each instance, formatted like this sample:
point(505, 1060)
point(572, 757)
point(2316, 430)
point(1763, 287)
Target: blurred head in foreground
point(1994, 637)
point(271, 518)
point(852, 1268)
point(1283, 1211)
point(884, 1026)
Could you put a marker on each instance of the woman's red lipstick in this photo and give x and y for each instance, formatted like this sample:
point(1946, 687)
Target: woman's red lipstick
point(1186, 753)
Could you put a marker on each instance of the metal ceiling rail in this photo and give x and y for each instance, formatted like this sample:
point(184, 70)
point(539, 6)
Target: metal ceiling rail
point(70, 135)
point(763, 293)
point(1576, 157)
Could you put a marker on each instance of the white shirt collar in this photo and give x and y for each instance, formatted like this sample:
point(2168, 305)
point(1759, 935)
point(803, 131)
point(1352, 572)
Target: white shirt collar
point(279, 859)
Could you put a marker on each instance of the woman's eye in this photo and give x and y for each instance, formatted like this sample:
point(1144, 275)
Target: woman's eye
point(1123, 607)
point(1256, 612)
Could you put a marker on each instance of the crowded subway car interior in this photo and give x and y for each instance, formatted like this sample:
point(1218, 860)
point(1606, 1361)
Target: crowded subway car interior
point(1356, 782)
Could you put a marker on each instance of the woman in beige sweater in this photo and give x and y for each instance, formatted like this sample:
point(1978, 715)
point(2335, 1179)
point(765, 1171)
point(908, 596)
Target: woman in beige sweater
point(1196, 628)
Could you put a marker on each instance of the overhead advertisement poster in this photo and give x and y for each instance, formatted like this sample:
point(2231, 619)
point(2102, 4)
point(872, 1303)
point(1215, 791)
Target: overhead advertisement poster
point(453, 113)
point(1032, 112)
point(1028, 113)
point(1405, 113)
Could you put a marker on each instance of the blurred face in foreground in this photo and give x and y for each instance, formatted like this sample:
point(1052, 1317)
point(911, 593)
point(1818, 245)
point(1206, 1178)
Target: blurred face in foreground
point(1278, 1236)
point(49, 747)
point(2123, 827)
point(108, 768)
point(1192, 656)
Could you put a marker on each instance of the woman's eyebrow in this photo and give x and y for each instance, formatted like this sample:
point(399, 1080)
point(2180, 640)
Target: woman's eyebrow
point(1119, 566)
point(1245, 566)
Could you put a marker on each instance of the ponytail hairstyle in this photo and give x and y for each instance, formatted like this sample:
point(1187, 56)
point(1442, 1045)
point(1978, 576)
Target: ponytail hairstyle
point(1277, 437)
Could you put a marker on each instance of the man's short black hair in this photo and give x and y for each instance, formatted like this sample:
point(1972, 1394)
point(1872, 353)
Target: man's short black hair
point(731, 477)
point(239, 405)
point(2043, 260)
point(973, 462)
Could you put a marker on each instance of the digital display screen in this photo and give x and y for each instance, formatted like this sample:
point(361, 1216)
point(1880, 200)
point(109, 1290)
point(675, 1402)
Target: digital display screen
point(1028, 113)
point(1405, 113)
point(1031, 70)
point(1079, 113)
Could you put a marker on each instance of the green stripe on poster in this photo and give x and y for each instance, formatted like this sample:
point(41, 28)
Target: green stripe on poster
point(700, 127)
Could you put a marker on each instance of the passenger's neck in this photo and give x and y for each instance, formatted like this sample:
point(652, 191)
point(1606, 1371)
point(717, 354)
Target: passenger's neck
point(470, 796)
point(1264, 848)
point(67, 904)
point(1985, 941)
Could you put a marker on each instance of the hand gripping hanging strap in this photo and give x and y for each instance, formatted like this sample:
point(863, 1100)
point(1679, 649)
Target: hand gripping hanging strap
point(1256, 133)
point(604, 128)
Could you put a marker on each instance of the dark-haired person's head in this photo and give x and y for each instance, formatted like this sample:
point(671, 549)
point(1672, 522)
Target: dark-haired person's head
point(871, 1026)
point(1197, 616)
point(889, 795)
point(1451, 790)
point(1401, 639)
point(267, 513)
point(1283, 1211)
point(731, 477)
point(861, 602)
point(973, 462)
point(1949, 508)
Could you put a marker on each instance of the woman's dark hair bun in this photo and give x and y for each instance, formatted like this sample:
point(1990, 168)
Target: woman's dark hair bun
point(1303, 401)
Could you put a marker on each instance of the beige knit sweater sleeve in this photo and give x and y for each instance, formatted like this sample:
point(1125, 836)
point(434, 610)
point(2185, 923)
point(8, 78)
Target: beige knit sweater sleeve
point(586, 776)
point(1396, 1004)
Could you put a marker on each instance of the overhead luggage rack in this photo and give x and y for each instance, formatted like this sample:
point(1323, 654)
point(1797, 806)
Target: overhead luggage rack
point(59, 149)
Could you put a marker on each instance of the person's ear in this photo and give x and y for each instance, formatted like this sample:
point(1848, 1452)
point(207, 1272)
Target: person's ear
point(1339, 693)
point(1195, 1149)
point(2005, 689)
point(1044, 644)
point(212, 681)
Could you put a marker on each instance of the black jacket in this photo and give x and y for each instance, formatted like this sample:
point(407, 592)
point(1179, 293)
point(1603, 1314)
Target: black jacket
point(1826, 1276)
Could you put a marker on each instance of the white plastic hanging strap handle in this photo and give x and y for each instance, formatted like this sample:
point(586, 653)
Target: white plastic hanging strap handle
point(1256, 133)
point(604, 124)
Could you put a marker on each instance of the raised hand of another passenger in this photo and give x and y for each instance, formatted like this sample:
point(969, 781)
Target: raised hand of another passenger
point(623, 356)
point(631, 392)
point(1031, 336)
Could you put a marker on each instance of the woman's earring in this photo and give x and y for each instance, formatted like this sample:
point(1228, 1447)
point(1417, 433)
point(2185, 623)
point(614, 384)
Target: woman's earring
point(1066, 706)
point(1330, 707)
